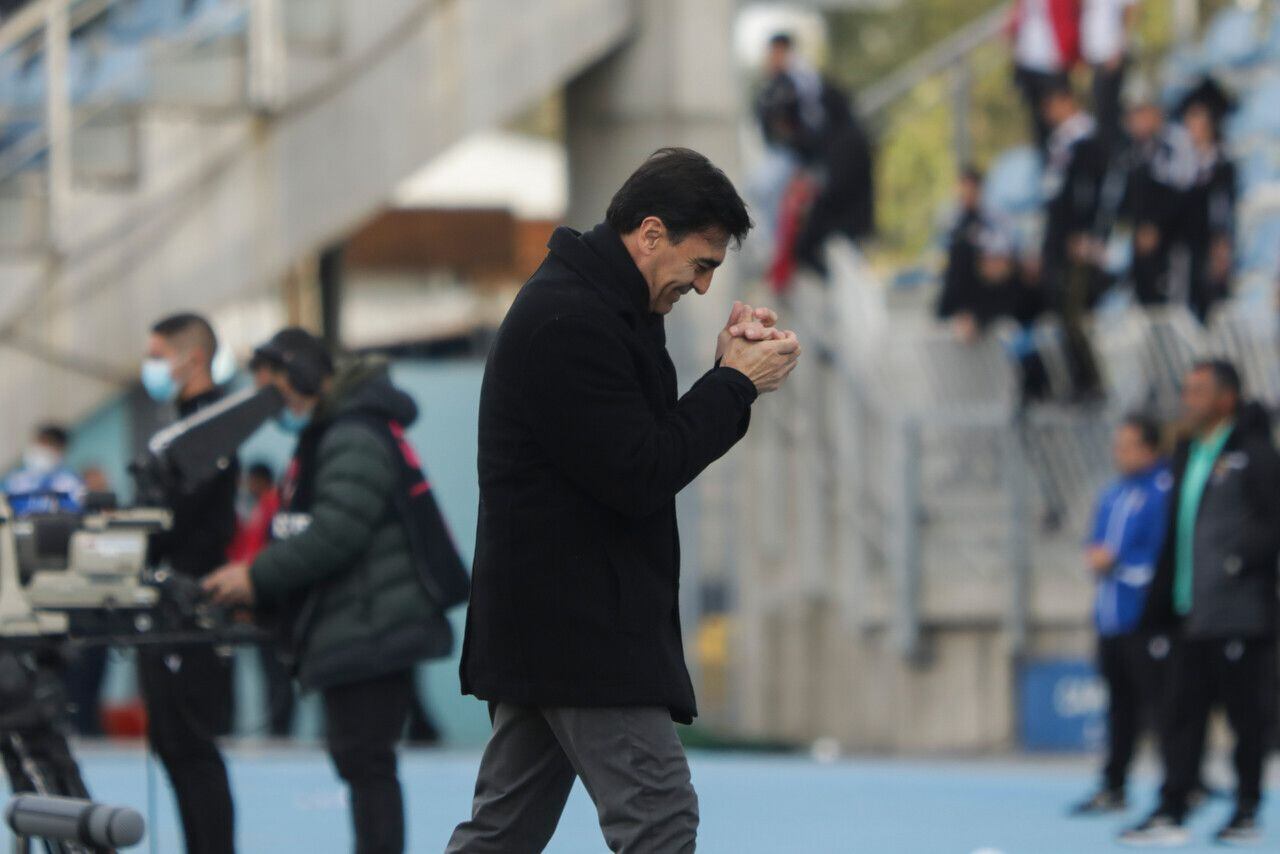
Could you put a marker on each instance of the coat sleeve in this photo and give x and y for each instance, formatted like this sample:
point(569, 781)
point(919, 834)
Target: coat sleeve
point(353, 489)
point(1262, 484)
point(588, 411)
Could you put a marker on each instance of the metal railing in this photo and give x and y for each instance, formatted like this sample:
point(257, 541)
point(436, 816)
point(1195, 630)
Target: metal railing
point(53, 22)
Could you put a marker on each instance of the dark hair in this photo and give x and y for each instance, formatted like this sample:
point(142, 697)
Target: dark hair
point(187, 329)
point(1225, 375)
point(683, 189)
point(971, 172)
point(781, 40)
point(53, 434)
point(1147, 427)
point(262, 470)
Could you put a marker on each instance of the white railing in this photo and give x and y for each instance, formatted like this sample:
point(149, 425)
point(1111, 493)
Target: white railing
point(54, 21)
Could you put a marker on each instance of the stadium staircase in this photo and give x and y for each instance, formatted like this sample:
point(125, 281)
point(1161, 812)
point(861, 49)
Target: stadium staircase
point(190, 151)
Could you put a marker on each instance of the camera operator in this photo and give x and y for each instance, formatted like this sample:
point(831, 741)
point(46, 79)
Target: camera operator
point(340, 578)
point(188, 691)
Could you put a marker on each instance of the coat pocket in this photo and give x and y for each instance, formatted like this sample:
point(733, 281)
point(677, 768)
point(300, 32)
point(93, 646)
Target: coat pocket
point(643, 600)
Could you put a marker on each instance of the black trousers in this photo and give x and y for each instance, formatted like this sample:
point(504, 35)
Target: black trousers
point(85, 673)
point(1071, 292)
point(1107, 86)
point(364, 721)
point(1134, 667)
point(1150, 273)
point(1033, 85)
point(280, 697)
point(1238, 674)
point(189, 700)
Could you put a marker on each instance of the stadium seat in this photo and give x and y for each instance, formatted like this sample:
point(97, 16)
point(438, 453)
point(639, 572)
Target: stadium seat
point(1233, 39)
point(1012, 185)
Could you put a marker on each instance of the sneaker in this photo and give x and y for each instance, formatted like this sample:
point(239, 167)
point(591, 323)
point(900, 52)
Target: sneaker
point(1160, 830)
point(1243, 829)
point(1101, 802)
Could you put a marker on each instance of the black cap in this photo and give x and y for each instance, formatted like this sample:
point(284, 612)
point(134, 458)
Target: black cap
point(293, 345)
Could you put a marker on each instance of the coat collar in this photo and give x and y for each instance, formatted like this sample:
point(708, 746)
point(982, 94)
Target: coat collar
point(599, 257)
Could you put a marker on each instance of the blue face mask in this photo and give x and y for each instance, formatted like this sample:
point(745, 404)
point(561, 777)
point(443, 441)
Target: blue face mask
point(157, 379)
point(292, 422)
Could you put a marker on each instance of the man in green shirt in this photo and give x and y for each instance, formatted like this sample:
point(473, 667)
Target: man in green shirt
point(1214, 595)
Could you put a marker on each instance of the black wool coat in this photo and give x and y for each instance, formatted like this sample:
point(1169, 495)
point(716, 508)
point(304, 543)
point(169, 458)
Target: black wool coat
point(583, 446)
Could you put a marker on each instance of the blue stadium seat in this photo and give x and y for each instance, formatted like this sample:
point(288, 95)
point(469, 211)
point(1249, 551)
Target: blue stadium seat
point(1257, 113)
point(1013, 182)
point(1234, 39)
point(1259, 250)
point(133, 21)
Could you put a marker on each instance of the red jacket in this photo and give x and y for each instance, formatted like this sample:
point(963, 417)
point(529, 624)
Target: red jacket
point(1065, 17)
point(253, 534)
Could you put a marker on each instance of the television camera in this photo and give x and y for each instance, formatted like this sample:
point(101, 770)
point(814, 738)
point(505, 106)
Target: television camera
point(93, 577)
point(89, 577)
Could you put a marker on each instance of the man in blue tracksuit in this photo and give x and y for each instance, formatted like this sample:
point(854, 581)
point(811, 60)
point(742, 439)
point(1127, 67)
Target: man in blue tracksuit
point(1128, 532)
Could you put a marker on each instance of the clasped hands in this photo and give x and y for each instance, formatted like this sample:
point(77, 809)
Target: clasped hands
point(751, 343)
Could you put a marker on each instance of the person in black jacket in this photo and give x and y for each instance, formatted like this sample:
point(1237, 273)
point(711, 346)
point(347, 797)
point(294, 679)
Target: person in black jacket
point(1075, 166)
point(1207, 223)
point(188, 691)
point(839, 158)
point(961, 281)
point(1214, 593)
point(340, 576)
point(573, 634)
point(1159, 166)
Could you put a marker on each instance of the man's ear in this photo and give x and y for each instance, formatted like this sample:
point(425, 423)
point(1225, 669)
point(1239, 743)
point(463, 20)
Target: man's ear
point(652, 232)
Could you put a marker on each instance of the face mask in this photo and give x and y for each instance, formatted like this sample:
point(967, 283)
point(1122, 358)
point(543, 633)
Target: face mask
point(40, 459)
point(292, 422)
point(157, 379)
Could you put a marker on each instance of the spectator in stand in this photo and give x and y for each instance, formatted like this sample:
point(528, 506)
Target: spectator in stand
point(985, 282)
point(1121, 553)
point(1214, 593)
point(960, 280)
point(253, 533)
point(1075, 166)
point(790, 101)
point(840, 164)
point(1159, 164)
point(1046, 46)
point(44, 482)
point(1104, 43)
point(1207, 227)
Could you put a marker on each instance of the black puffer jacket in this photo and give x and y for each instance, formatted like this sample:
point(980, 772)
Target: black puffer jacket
point(345, 583)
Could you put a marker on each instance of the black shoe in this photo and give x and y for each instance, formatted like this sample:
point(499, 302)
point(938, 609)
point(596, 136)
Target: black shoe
point(1243, 829)
point(1159, 830)
point(1101, 802)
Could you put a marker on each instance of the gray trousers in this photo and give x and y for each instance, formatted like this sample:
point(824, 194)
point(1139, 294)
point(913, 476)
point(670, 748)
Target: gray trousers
point(630, 761)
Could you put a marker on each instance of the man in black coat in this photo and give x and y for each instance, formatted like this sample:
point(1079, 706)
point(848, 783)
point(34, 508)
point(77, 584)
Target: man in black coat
point(1214, 594)
point(1075, 166)
point(573, 634)
point(188, 690)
